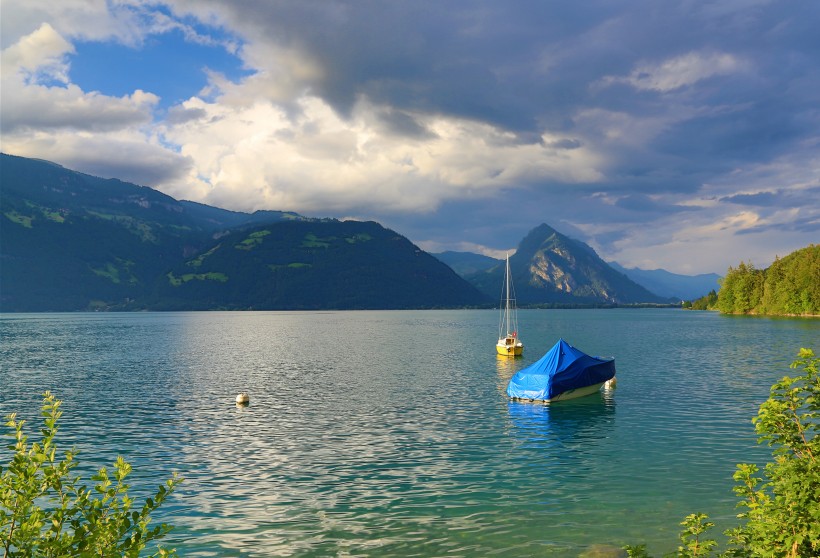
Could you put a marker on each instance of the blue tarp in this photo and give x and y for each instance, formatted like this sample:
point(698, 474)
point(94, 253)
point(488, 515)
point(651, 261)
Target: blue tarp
point(563, 368)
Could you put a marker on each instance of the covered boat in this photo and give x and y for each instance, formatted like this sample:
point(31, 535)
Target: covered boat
point(563, 373)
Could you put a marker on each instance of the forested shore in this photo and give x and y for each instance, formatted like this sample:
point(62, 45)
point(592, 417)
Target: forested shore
point(789, 287)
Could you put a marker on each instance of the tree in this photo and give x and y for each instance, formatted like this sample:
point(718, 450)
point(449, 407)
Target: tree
point(783, 513)
point(782, 508)
point(45, 511)
point(707, 302)
point(741, 290)
point(791, 285)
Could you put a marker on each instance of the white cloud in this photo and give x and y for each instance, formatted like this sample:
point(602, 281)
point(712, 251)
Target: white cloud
point(256, 156)
point(31, 102)
point(681, 71)
point(435, 247)
point(44, 115)
point(37, 57)
point(127, 155)
point(92, 20)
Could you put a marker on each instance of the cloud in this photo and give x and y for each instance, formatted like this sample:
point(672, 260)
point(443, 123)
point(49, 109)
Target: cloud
point(680, 71)
point(129, 156)
point(37, 95)
point(93, 20)
point(38, 57)
point(44, 115)
point(313, 159)
point(760, 199)
point(605, 120)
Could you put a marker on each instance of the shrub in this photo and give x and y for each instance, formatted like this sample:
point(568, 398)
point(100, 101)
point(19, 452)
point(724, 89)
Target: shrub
point(45, 511)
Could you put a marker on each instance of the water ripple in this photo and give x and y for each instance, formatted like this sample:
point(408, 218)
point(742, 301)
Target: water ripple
point(404, 445)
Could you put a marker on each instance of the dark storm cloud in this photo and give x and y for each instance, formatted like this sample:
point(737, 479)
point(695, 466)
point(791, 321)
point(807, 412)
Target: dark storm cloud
point(529, 66)
point(482, 60)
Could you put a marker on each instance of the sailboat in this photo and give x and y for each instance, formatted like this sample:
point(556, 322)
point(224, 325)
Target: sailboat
point(509, 344)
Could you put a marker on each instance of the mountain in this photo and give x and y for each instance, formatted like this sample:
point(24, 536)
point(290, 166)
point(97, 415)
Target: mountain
point(71, 241)
point(467, 263)
point(68, 239)
point(313, 265)
point(549, 268)
point(671, 285)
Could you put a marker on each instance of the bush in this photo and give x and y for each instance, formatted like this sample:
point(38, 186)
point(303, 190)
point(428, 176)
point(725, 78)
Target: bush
point(45, 511)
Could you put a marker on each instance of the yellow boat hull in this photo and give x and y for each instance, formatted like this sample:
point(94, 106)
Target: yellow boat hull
point(510, 347)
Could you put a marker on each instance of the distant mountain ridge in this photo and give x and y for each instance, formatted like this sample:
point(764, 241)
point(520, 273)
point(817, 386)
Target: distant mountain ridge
point(71, 241)
point(467, 263)
point(672, 285)
point(549, 268)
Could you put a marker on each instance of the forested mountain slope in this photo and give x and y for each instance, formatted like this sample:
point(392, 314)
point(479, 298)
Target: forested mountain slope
point(71, 241)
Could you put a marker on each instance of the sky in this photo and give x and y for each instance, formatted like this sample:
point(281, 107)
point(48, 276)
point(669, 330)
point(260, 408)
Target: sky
point(677, 135)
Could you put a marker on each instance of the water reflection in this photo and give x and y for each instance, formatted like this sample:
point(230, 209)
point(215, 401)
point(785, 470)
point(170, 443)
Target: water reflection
point(506, 368)
point(564, 424)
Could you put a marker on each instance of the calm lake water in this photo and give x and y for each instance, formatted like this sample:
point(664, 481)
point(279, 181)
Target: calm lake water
point(389, 433)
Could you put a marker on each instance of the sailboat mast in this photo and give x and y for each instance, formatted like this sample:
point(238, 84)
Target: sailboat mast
point(507, 312)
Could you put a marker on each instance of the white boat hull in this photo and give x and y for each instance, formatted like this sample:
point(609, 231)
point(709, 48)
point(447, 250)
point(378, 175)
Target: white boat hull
point(569, 394)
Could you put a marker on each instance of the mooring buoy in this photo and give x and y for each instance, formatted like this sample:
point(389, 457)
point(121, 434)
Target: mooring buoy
point(243, 399)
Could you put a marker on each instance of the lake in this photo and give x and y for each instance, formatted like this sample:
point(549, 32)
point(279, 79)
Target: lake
point(388, 433)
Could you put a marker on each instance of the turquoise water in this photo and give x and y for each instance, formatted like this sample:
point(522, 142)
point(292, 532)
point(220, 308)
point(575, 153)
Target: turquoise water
point(389, 434)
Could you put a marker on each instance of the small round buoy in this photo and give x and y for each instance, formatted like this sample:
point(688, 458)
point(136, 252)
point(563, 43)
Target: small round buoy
point(243, 399)
point(610, 384)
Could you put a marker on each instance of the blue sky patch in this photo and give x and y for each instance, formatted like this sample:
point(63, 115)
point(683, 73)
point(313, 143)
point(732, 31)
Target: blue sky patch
point(166, 65)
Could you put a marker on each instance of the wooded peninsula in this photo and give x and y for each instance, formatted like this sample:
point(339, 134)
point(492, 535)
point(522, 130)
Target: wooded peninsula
point(789, 287)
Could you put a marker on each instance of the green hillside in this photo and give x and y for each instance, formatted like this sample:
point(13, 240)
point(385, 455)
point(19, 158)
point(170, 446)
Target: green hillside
point(313, 265)
point(70, 241)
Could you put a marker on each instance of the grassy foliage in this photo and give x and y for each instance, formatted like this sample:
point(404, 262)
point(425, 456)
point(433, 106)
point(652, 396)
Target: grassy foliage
point(358, 238)
point(313, 241)
point(210, 276)
point(117, 272)
point(46, 511)
point(19, 219)
point(253, 240)
point(315, 265)
point(197, 262)
point(781, 508)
